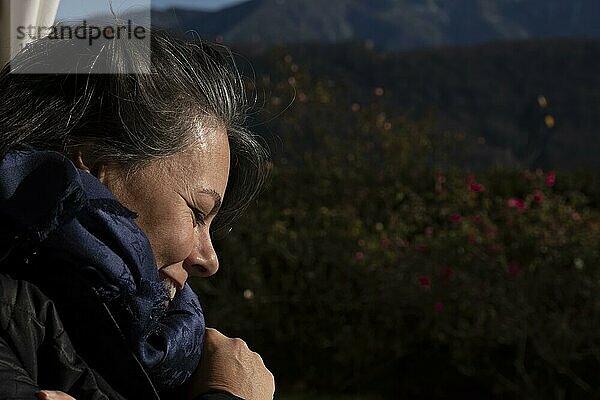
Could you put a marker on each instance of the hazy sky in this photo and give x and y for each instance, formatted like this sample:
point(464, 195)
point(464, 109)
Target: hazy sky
point(79, 8)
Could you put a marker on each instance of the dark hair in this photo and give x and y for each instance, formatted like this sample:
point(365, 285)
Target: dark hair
point(131, 119)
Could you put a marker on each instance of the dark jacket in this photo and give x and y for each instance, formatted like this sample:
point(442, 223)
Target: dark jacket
point(83, 307)
point(35, 351)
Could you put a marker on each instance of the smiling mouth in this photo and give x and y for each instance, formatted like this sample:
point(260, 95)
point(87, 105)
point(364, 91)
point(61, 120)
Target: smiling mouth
point(170, 286)
point(173, 278)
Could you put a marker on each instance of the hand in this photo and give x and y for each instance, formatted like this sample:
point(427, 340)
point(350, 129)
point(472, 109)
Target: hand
point(229, 365)
point(53, 395)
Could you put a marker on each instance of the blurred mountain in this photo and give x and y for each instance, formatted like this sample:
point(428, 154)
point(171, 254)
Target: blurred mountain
point(389, 24)
point(529, 99)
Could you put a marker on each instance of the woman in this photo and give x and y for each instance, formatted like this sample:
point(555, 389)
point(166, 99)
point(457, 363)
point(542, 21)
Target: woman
point(109, 187)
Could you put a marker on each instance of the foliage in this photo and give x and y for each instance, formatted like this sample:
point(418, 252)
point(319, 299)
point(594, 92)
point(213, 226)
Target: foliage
point(372, 264)
point(529, 103)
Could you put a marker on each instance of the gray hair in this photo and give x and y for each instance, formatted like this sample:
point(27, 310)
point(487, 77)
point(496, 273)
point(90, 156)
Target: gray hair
point(131, 119)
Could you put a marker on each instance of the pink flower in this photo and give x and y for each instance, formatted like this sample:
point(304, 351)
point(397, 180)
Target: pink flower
point(538, 197)
point(456, 218)
point(477, 219)
point(386, 243)
point(429, 231)
point(425, 282)
point(420, 247)
point(517, 203)
point(470, 179)
point(550, 178)
point(359, 256)
point(439, 307)
point(445, 273)
point(513, 269)
point(476, 187)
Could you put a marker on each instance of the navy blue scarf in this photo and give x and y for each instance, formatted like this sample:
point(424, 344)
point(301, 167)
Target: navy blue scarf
point(49, 205)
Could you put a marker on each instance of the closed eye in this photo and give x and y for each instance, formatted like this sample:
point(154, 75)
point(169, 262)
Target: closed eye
point(199, 217)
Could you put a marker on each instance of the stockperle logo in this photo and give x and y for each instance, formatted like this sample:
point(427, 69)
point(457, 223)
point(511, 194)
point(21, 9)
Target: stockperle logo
point(64, 36)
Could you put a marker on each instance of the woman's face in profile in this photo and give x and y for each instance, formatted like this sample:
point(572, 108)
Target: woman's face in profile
point(176, 199)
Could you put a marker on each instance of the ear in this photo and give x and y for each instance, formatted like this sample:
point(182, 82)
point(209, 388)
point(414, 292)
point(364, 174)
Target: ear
point(97, 169)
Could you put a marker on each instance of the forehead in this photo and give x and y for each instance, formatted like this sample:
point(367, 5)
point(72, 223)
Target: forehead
point(204, 164)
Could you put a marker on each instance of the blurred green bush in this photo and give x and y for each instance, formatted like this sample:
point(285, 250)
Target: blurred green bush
point(373, 263)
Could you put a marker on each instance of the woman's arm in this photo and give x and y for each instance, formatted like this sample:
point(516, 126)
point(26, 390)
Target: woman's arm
point(229, 370)
point(35, 348)
point(15, 381)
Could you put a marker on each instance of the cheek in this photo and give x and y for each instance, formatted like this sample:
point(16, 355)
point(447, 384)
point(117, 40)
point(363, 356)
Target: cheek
point(171, 240)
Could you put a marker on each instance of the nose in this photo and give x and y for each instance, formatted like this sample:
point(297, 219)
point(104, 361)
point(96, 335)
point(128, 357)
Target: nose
point(202, 260)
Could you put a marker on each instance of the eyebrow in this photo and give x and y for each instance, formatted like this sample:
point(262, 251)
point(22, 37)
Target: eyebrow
point(216, 198)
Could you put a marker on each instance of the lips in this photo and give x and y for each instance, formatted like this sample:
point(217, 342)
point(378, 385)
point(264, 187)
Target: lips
point(174, 277)
point(171, 289)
